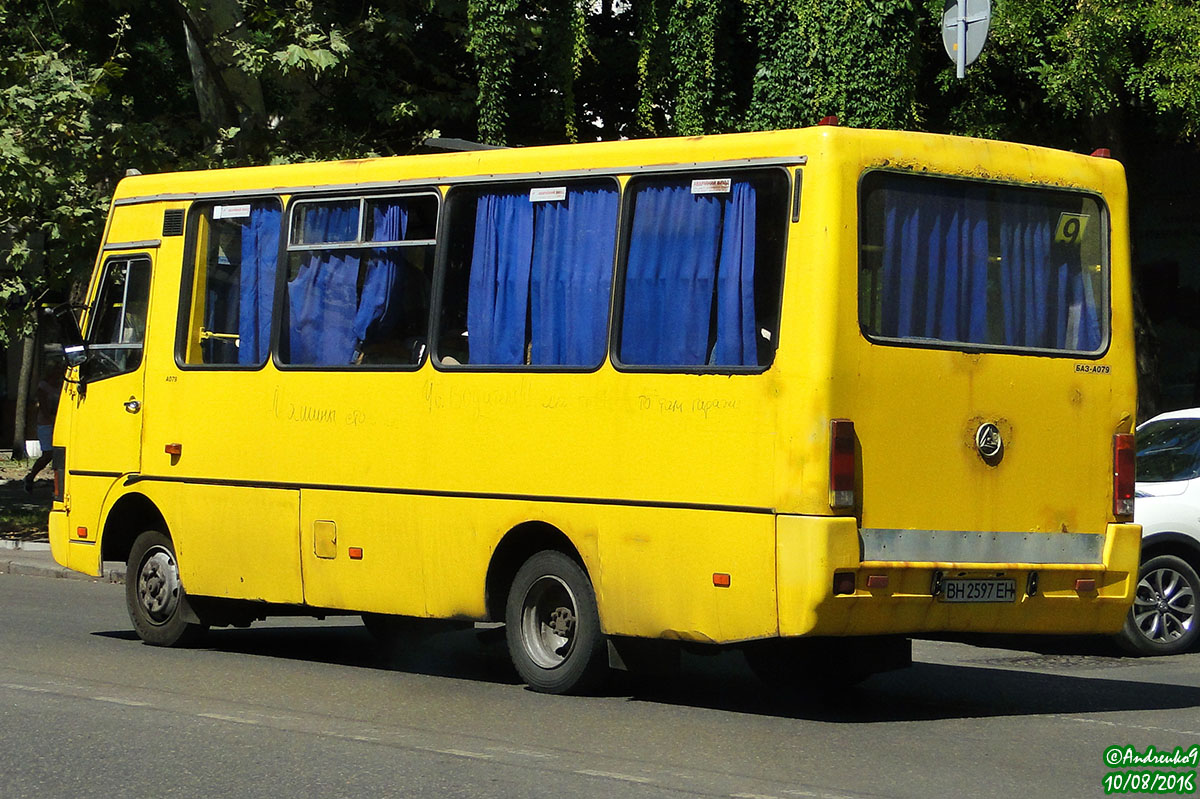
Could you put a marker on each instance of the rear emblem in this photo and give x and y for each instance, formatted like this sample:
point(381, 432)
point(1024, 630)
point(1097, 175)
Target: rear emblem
point(988, 441)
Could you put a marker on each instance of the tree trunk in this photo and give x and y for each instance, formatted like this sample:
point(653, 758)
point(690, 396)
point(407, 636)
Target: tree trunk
point(226, 95)
point(22, 399)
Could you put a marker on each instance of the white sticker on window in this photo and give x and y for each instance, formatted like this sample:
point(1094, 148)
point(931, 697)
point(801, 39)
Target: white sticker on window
point(552, 194)
point(231, 211)
point(711, 186)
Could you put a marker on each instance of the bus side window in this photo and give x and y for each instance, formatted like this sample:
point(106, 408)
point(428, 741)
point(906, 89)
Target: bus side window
point(359, 276)
point(529, 275)
point(236, 248)
point(703, 271)
point(118, 324)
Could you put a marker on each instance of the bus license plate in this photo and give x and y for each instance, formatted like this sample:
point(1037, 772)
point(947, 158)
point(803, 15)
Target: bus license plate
point(958, 590)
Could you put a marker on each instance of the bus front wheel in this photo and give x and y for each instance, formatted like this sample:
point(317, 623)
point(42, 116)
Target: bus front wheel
point(553, 626)
point(154, 593)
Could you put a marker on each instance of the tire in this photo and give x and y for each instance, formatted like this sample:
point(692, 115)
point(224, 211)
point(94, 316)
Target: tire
point(1163, 620)
point(553, 627)
point(154, 594)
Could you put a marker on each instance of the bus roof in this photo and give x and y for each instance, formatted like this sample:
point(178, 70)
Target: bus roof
point(985, 158)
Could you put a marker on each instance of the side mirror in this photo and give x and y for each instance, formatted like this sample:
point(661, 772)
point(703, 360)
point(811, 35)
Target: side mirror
point(74, 350)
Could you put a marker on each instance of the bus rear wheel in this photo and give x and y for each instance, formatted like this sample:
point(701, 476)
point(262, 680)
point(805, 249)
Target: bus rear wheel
point(154, 593)
point(553, 626)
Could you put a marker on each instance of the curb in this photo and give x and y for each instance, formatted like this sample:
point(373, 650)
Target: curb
point(30, 546)
point(40, 567)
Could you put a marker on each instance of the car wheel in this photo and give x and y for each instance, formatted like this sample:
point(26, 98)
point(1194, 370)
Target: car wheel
point(553, 626)
point(154, 594)
point(1162, 620)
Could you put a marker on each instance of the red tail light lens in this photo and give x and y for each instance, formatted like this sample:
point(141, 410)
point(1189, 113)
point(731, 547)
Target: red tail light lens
point(1124, 473)
point(842, 464)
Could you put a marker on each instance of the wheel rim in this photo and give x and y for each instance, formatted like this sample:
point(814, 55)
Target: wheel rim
point(1164, 607)
point(549, 621)
point(158, 584)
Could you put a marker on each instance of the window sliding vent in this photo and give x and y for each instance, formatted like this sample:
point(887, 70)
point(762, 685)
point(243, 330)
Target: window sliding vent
point(172, 223)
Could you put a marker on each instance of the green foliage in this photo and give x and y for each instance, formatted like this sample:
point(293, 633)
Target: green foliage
point(493, 43)
point(88, 88)
point(54, 132)
point(856, 60)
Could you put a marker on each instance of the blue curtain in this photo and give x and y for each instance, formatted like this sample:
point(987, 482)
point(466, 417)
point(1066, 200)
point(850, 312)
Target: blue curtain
point(379, 305)
point(935, 264)
point(323, 297)
point(260, 252)
point(571, 277)
point(935, 269)
point(498, 294)
point(736, 340)
point(1047, 301)
point(681, 247)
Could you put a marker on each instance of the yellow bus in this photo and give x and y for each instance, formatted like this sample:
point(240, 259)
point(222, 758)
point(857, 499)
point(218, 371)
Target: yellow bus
point(803, 392)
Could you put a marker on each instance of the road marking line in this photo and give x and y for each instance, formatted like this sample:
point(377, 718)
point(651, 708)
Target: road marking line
point(234, 719)
point(460, 753)
point(612, 775)
point(519, 752)
point(16, 687)
point(752, 796)
point(1142, 727)
point(114, 700)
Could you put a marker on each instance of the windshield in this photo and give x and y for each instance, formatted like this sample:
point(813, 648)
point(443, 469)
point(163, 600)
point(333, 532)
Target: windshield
point(1168, 450)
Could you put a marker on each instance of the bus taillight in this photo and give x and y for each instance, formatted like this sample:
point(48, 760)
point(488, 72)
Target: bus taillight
point(842, 465)
point(1124, 474)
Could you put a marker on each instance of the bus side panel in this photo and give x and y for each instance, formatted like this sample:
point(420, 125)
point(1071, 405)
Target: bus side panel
point(386, 533)
point(233, 541)
point(658, 567)
point(87, 503)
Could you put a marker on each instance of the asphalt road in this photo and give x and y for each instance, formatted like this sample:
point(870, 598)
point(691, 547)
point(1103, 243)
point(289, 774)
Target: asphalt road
point(301, 708)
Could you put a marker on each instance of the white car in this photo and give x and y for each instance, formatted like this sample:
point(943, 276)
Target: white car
point(1163, 618)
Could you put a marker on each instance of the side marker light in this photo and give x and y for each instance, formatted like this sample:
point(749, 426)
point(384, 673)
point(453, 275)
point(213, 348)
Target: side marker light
point(355, 553)
point(721, 580)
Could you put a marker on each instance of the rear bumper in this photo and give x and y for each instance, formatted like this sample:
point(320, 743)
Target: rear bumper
point(1065, 597)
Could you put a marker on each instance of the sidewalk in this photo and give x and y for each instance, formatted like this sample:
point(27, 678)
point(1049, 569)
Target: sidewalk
point(33, 558)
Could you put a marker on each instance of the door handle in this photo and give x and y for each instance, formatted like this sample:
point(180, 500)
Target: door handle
point(132, 405)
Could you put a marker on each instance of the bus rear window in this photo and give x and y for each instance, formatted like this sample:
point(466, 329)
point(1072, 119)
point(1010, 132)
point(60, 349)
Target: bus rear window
point(959, 262)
